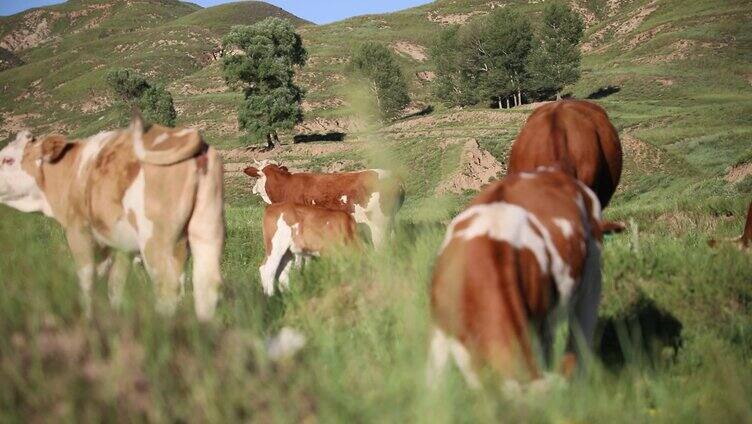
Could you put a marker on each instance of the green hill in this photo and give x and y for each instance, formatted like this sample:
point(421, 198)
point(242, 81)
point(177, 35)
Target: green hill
point(675, 77)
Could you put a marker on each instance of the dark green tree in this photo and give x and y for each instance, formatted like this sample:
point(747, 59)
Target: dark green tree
point(485, 60)
point(262, 60)
point(556, 59)
point(379, 65)
point(126, 83)
point(506, 45)
point(157, 106)
point(154, 100)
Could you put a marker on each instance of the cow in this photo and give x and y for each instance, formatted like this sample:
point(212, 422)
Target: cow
point(526, 247)
point(154, 192)
point(578, 137)
point(371, 197)
point(293, 233)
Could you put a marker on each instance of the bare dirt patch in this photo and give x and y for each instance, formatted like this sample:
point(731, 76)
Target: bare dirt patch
point(644, 156)
point(666, 82)
point(679, 50)
point(644, 37)
point(477, 168)
point(452, 19)
point(411, 50)
point(36, 30)
point(738, 173)
point(294, 156)
point(323, 126)
point(95, 104)
point(326, 104)
point(636, 19)
point(587, 15)
point(619, 28)
point(428, 76)
point(11, 124)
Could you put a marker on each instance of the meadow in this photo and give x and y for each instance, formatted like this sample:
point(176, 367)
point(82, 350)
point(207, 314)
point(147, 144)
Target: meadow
point(675, 340)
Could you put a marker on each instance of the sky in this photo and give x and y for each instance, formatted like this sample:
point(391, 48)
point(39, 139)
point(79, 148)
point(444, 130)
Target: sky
point(318, 11)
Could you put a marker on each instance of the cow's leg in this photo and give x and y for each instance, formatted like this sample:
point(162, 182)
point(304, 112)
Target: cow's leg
point(545, 334)
point(206, 235)
point(206, 250)
point(83, 250)
point(584, 313)
point(283, 270)
point(273, 265)
point(464, 362)
point(121, 263)
point(164, 262)
point(438, 355)
point(441, 347)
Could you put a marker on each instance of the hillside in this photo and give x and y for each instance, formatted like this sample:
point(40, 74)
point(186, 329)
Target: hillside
point(674, 342)
point(80, 40)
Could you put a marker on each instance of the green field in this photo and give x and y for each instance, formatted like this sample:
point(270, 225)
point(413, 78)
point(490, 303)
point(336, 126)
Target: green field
point(684, 78)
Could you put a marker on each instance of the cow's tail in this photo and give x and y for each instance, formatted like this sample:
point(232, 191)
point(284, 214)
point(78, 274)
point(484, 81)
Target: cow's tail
point(206, 232)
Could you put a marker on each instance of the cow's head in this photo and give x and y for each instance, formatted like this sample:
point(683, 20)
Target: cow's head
point(260, 171)
point(20, 170)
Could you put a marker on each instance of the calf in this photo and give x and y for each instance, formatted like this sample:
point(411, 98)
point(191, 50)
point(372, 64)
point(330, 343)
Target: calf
point(150, 192)
point(577, 137)
point(371, 197)
point(295, 232)
point(523, 247)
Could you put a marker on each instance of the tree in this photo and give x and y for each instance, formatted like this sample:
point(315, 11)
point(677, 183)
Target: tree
point(555, 61)
point(378, 64)
point(154, 100)
point(485, 60)
point(126, 83)
point(507, 43)
point(157, 106)
point(264, 68)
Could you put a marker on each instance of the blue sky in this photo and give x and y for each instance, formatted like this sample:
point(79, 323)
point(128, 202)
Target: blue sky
point(319, 11)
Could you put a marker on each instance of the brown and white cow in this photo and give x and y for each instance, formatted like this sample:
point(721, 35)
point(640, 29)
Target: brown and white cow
point(293, 233)
point(525, 246)
point(575, 136)
point(372, 197)
point(152, 192)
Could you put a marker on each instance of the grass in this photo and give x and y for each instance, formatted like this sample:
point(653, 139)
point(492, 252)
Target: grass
point(366, 316)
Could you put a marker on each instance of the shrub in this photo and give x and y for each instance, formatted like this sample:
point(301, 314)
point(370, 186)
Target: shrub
point(126, 83)
point(379, 65)
point(157, 106)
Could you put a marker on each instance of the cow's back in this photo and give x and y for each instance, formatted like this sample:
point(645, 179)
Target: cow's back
point(127, 200)
point(313, 228)
point(575, 136)
point(520, 247)
point(340, 191)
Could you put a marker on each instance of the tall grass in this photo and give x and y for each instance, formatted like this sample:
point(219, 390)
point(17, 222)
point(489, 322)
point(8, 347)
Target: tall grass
point(366, 320)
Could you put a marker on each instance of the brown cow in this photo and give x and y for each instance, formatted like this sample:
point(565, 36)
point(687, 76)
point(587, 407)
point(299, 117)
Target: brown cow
point(295, 232)
point(577, 137)
point(524, 246)
point(371, 197)
point(151, 192)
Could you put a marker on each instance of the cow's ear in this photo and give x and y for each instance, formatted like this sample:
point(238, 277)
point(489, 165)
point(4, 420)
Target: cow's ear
point(137, 121)
point(284, 168)
point(251, 172)
point(54, 147)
